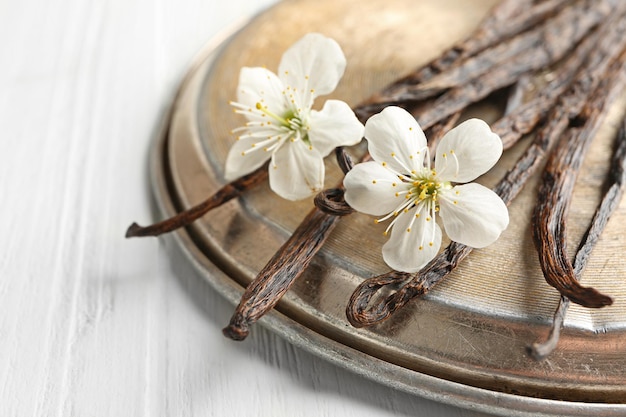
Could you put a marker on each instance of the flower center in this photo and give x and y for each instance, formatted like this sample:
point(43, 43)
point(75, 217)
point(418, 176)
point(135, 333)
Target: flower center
point(424, 191)
point(427, 188)
point(291, 120)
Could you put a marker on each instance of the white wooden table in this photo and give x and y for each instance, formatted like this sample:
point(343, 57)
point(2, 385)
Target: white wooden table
point(92, 324)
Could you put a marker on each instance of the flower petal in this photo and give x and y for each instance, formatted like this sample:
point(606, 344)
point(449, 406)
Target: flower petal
point(296, 171)
point(242, 160)
point(395, 137)
point(315, 62)
point(369, 189)
point(259, 85)
point(402, 252)
point(473, 215)
point(467, 151)
point(335, 125)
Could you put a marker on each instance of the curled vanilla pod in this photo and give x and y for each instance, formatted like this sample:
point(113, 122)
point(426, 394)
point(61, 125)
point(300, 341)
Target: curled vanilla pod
point(614, 190)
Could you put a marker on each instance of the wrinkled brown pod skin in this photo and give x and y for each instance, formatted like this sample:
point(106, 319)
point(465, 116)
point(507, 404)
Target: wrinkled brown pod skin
point(507, 19)
point(559, 179)
point(224, 194)
point(616, 179)
point(288, 263)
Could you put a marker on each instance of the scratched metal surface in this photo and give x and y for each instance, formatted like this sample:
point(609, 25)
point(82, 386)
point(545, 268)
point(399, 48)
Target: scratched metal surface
point(473, 328)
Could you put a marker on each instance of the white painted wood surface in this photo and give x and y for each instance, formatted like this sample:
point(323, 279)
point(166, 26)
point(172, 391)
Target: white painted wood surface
point(92, 324)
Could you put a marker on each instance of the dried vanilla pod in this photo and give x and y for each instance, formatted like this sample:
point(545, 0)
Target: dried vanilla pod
point(594, 52)
point(184, 218)
point(616, 179)
point(530, 50)
point(506, 19)
point(553, 28)
point(551, 48)
point(559, 178)
point(288, 263)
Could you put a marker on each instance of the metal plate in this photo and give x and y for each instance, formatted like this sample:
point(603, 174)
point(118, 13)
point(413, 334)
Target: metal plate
point(465, 342)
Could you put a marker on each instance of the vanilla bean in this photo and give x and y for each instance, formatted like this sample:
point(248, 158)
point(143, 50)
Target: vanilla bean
point(595, 52)
point(540, 351)
point(569, 105)
point(503, 75)
point(185, 218)
point(288, 263)
point(436, 132)
point(506, 19)
point(280, 273)
point(344, 160)
point(517, 93)
point(610, 201)
point(529, 51)
point(549, 225)
point(292, 258)
point(616, 179)
point(360, 314)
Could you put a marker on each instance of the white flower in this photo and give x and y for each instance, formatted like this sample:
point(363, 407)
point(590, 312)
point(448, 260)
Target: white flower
point(400, 184)
point(281, 124)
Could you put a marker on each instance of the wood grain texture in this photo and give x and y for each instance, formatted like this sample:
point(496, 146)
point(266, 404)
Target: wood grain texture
point(93, 324)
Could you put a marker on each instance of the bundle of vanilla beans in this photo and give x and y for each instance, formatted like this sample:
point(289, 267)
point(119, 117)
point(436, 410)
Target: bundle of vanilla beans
point(582, 44)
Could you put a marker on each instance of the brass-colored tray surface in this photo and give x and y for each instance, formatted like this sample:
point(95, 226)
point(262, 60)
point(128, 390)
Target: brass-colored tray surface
point(465, 342)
